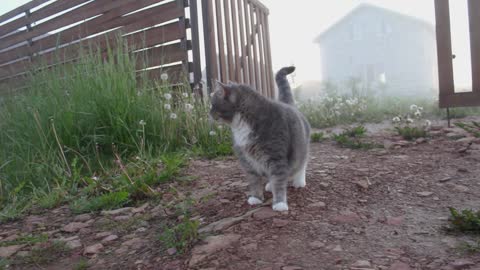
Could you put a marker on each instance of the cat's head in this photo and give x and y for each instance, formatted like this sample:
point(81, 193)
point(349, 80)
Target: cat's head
point(225, 102)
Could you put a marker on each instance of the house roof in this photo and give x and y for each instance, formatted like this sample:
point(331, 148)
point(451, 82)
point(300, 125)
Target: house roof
point(363, 7)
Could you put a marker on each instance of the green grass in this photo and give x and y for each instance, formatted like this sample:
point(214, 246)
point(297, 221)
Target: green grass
point(472, 128)
point(411, 133)
point(96, 119)
point(466, 221)
point(81, 265)
point(181, 236)
point(317, 137)
point(354, 138)
point(107, 201)
point(47, 253)
point(25, 240)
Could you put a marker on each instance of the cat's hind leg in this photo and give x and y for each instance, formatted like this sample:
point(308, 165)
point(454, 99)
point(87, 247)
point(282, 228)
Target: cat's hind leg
point(299, 177)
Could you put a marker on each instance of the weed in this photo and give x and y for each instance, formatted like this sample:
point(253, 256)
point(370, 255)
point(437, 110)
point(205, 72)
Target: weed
point(26, 240)
point(472, 128)
point(411, 133)
point(81, 265)
point(317, 137)
point(52, 199)
point(353, 138)
point(467, 247)
point(44, 254)
point(105, 201)
point(466, 221)
point(181, 236)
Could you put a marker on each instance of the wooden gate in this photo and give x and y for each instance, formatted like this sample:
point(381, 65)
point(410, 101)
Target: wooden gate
point(237, 43)
point(447, 96)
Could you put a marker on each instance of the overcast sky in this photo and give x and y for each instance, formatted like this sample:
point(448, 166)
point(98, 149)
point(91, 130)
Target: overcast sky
point(294, 25)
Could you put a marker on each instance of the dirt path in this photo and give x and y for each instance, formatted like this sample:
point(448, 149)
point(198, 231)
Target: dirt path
point(377, 209)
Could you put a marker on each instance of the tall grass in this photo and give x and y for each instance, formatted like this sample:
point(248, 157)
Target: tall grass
point(356, 103)
point(78, 120)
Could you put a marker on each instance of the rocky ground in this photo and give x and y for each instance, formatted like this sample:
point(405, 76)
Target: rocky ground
point(362, 209)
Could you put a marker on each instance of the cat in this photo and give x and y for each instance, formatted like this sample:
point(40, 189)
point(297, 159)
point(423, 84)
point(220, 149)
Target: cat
point(270, 138)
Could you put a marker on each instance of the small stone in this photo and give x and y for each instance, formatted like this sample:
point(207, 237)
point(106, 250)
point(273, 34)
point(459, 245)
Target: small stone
point(462, 264)
point(251, 247)
point(420, 140)
point(316, 245)
point(290, 267)
point(346, 217)
point(399, 266)
point(140, 209)
point(320, 205)
point(212, 246)
point(461, 188)
point(172, 251)
point(116, 211)
point(425, 194)
point(8, 251)
point(74, 244)
point(362, 184)
point(264, 213)
point(337, 248)
point(109, 238)
point(82, 218)
point(135, 243)
point(279, 223)
point(446, 179)
point(324, 185)
point(75, 226)
point(93, 249)
point(466, 140)
point(122, 218)
point(462, 170)
point(395, 221)
point(101, 235)
point(454, 136)
point(362, 264)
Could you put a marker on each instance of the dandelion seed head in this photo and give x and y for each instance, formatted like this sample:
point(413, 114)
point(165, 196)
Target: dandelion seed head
point(185, 95)
point(413, 107)
point(173, 116)
point(164, 76)
point(142, 123)
point(188, 107)
point(167, 96)
point(167, 107)
point(212, 133)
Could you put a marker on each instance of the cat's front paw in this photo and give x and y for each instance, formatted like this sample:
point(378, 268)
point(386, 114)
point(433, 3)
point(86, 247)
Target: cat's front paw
point(280, 207)
point(254, 201)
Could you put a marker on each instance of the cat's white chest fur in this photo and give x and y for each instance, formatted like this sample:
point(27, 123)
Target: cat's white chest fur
point(241, 131)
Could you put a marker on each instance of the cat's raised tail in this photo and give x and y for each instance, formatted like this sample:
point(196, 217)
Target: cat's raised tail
point(284, 91)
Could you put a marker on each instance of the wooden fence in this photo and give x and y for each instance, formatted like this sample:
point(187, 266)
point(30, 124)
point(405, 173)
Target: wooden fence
point(50, 32)
point(237, 43)
point(448, 97)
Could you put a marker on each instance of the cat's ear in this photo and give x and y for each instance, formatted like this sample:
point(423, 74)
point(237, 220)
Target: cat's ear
point(225, 90)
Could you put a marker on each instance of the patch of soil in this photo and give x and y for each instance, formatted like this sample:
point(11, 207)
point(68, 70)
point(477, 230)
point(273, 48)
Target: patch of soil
point(376, 209)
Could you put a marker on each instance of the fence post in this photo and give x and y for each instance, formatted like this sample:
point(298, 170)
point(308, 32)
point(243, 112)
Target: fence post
point(209, 38)
point(197, 67)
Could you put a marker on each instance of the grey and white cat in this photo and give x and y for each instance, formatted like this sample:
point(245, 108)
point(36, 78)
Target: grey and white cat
point(271, 138)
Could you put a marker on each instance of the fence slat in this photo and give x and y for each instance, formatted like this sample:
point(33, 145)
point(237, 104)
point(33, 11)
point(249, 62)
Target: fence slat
point(251, 76)
point(44, 12)
point(254, 47)
point(159, 56)
point(82, 13)
point(21, 9)
point(243, 61)
point(228, 33)
point(237, 71)
point(261, 51)
point(269, 58)
point(221, 45)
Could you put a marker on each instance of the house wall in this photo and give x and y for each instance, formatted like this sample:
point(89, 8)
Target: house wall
point(371, 42)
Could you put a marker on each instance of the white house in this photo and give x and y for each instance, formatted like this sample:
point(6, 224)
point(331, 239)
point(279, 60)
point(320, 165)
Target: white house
point(381, 48)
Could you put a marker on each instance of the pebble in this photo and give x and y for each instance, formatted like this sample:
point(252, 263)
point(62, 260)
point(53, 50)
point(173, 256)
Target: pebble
point(93, 249)
point(425, 194)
